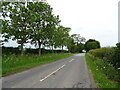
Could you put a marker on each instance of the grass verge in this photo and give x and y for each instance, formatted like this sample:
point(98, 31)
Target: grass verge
point(97, 67)
point(17, 63)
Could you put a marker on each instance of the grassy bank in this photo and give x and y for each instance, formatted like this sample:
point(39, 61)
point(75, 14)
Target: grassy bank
point(103, 72)
point(16, 63)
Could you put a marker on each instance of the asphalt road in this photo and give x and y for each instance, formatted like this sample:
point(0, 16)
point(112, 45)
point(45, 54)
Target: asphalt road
point(71, 72)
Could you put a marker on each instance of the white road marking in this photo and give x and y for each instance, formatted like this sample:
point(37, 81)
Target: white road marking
point(71, 60)
point(52, 73)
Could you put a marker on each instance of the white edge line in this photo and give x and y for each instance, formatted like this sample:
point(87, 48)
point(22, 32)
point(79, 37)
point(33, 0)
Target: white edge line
point(52, 73)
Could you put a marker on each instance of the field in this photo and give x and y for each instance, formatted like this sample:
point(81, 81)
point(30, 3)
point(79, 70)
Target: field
point(16, 63)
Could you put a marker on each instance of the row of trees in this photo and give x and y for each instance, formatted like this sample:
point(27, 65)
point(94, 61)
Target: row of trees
point(35, 23)
point(88, 45)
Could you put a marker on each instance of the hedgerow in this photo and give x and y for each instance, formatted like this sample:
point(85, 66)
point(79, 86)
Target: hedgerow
point(108, 61)
point(15, 50)
point(110, 54)
point(105, 75)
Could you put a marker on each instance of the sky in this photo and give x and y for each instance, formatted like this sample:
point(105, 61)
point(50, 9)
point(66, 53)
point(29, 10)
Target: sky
point(92, 19)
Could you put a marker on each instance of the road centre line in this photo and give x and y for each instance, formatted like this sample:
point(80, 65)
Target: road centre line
point(52, 73)
point(71, 60)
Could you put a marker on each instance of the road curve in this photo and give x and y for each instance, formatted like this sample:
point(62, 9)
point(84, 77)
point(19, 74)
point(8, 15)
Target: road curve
point(71, 72)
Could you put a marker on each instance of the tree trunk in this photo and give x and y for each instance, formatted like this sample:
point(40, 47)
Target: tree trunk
point(52, 49)
point(22, 51)
point(69, 50)
point(77, 43)
point(62, 48)
point(39, 49)
point(62, 45)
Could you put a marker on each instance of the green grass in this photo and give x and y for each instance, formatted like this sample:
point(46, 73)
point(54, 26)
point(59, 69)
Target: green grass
point(97, 67)
point(16, 63)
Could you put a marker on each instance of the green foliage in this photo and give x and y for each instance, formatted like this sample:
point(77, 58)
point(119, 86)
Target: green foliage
point(111, 55)
point(91, 44)
point(74, 44)
point(17, 26)
point(16, 51)
point(45, 25)
point(62, 36)
point(10, 50)
point(77, 38)
point(33, 23)
point(105, 75)
point(103, 53)
point(16, 63)
point(116, 59)
point(69, 43)
point(107, 61)
point(74, 49)
point(80, 47)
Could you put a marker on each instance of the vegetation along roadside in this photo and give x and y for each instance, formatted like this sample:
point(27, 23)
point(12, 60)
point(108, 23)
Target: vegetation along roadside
point(17, 63)
point(104, 65)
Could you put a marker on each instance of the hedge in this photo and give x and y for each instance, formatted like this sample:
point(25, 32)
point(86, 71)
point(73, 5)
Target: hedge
point(110, 54)
point(15, 50)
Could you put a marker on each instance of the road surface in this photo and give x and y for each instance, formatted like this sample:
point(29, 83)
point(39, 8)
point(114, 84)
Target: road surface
point(71, 72)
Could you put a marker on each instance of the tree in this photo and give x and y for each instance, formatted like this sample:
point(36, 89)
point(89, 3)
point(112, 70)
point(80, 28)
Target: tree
point(80, 47)
point(61, 36)
point(91, 44)
point(38, 35)
point(77, 38)
point(75, 43)
point(52, 31)
point(69, 43)
point(43, 30)
point(33, 22)
point(17, 26)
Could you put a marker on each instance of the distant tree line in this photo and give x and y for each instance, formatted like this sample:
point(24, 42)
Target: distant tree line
point(35, 23)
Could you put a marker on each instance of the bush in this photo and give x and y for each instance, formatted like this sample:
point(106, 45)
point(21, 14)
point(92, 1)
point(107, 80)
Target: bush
point(106, 68)
point(103, 53)
point(91, 44)
point(116, 56)
point(10, 50)
point(108, 56)
point(111, 54)
point(80, 47)
point(16, 51)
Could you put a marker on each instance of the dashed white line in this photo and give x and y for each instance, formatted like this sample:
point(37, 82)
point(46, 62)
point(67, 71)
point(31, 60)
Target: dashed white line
point(52, 73)
point(71, 60)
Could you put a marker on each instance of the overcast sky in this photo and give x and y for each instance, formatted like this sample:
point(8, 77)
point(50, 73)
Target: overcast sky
point(92, 19)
